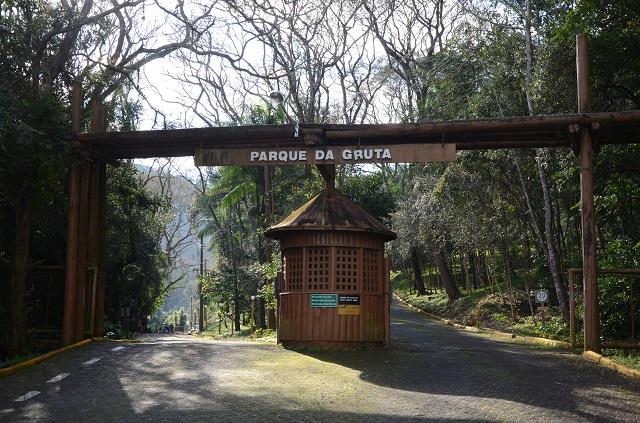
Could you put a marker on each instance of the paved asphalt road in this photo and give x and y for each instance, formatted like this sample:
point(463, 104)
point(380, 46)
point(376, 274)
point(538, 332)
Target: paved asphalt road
point(433, 373)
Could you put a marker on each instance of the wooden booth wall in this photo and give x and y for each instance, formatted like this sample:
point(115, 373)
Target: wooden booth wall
point(334, 262)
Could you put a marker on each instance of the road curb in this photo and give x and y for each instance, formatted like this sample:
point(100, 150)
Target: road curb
point(528, 340)
point(121, 341)
point(595, 358)
point(532, 340)
point(39, 359)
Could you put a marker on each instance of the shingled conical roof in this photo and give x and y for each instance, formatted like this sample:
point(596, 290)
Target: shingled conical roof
point(330, 210)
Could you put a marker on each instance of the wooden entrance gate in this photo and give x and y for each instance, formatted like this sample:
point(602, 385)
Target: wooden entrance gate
point(582, 132)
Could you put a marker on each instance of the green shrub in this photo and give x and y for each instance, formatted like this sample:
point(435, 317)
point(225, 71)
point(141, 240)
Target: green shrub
point(113, 331)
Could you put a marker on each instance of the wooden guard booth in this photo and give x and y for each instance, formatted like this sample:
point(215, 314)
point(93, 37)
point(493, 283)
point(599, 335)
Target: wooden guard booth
point(334, 290)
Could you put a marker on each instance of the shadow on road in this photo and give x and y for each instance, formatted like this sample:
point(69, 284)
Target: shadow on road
point(429, 357)
point(433, 373)
point(174, 382)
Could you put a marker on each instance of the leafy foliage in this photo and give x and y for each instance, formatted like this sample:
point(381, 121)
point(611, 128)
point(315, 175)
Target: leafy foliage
point(134, 257)
point(369, 191)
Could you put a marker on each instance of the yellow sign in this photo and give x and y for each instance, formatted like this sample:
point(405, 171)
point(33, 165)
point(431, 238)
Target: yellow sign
point(349, 310)
point(349, 305)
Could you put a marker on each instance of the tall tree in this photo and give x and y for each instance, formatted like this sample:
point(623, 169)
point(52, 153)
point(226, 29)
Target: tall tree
point(135, 259)
point(47, 46)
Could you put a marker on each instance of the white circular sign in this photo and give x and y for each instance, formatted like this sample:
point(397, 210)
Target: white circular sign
point(542, 296)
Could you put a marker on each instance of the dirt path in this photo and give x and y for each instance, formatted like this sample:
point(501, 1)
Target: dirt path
point(433, 373)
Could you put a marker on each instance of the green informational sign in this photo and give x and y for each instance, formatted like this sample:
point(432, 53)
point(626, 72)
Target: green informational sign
point(324, 300)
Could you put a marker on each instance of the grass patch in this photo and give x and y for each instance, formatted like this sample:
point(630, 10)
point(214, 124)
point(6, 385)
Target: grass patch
point(627, 358)
point(15, 360)
point(267, 335)
point(552, 327)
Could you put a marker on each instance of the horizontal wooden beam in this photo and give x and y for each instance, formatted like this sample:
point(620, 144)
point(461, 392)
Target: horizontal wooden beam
point(524, 123)
point(517, 132)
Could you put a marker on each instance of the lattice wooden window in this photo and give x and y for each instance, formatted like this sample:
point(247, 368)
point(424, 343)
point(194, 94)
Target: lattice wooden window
point(371, 268)
point(293, 269)
point(346, 269)
point(318, 262)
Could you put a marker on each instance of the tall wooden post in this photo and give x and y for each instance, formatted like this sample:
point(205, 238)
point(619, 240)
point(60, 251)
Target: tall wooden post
point(386, 297)
point(85, 236)
point(200, 292)
point(93, 248)
point(71, 266)
point(97, 204)
point(271, 317)
point(82, 253)
point(268, 207)
point(589, 268)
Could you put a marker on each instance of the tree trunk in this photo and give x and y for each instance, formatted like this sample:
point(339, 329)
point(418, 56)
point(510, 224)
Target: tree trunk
point(260, 310)
point(509, 275)
point(527, 279)
point(529, 53)
point(551, 249)
point(417, 271)
point(407, 272)
point(16, 330)
point(532, 215)
point(236, 292)
point(481, 267)
point(544, 250)
point(491, 274)
point(562, 244)
point(474, 270)
point(465, 268)
point(445, 275)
